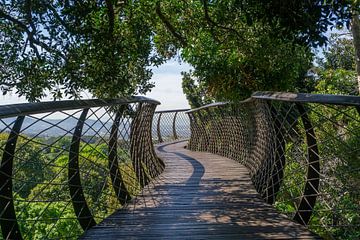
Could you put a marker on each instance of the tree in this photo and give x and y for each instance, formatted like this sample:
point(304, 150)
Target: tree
point(240, 47)
point(339, 54)
point(346, 13)
point(337, 70)
point(64, 47)
point(355, 29)
point(235, 47)
point(194, 91)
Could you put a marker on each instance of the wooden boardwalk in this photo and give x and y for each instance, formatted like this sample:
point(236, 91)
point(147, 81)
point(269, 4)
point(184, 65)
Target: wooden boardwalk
point(199, 196)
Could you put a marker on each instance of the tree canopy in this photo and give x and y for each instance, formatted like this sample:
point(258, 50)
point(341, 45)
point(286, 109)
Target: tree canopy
point(63, 47)
point(235, 47)
point(238, 47)
point(336, 73)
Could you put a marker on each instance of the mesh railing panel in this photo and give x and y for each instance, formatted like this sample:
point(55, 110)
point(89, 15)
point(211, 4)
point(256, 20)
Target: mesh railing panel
point(170, 125)
point(63, 171)
point(303, 157)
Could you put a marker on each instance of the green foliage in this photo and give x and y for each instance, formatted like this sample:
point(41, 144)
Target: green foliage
point(339, 55)
point(336, 73)
point(64, 47)
point(337, 81)
point(233, 71)
point(41, 192)
point(27, 164)
point(336, 213)
point(106, 47)
point(60, 220)
point(294, 180)
point(338, 137)
point(194, 90)
point(235, 48)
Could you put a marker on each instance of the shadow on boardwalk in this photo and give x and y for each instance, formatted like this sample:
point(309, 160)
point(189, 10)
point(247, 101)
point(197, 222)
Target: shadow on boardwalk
point(199, 196)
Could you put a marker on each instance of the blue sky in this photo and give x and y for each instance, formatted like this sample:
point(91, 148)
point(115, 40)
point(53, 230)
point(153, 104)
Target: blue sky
point(168, 90)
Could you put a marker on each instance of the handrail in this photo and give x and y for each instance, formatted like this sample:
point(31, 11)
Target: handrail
point(171, 125)
point(344, 100)
point(302, 152)
point(210, 105)
point(23, 109)
point(107, 161)
point(172, 110)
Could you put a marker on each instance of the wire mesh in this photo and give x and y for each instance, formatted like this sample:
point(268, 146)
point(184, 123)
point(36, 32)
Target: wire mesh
point(304, 158)
point(170, 125)
point(64, 171)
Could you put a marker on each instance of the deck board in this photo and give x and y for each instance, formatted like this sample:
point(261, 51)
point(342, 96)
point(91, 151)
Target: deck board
point(198, 196)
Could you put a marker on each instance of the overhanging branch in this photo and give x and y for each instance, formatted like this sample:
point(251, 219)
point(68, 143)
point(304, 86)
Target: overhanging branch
point(169, 26)
point(213, 24)
point(111, 16)
point(30, 35)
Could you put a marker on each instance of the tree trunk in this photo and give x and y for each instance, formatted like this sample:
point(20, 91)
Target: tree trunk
point(355, 29)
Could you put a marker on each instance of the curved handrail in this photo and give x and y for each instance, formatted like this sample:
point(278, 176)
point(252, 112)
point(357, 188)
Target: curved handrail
point(22, 109)
point(344, 100)
point(210, 105)
point(294, 141)
point(172, 110)
point(107, 135)
point(171, 125)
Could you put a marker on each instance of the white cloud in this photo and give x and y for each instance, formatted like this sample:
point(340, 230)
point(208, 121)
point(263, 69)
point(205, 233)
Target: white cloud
point(168, 90)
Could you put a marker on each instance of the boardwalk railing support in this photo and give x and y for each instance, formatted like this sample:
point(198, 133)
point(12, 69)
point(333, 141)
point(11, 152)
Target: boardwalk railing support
point(301, 151)
point(172, 125)
point(9, 225)
point(68, 165)
point(109, 137)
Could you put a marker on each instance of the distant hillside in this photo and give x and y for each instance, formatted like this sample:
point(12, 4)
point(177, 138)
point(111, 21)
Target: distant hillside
point(57, 127)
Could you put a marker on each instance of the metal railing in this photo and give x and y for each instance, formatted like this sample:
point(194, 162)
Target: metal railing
point(66, 166)
point(171, 125)
point(302, 152)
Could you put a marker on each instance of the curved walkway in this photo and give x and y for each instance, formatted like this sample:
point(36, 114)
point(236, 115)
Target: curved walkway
point(199, 196)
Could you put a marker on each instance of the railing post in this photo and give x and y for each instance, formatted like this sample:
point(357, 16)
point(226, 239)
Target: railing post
point(214, 143)
point(118, 184)
point(136, 147)
point(154, 164)
point(204, 136)
point(158, 129)
point(174, 127)
point(223, 132)
point(9, 226)
point(308, 200)
point(193, 132)
point(81, 208)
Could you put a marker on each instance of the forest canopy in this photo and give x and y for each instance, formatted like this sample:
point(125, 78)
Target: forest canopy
point(61, 48)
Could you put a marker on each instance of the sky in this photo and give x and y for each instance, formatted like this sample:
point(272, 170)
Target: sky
point(167, 90)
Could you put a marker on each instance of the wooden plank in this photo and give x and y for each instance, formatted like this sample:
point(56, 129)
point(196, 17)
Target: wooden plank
point(198, 196)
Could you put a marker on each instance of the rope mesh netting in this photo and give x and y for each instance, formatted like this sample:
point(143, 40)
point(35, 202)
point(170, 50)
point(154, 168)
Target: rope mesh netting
point(171, 125)
point(65, 167)
point(63, 171)
point(304, 158)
